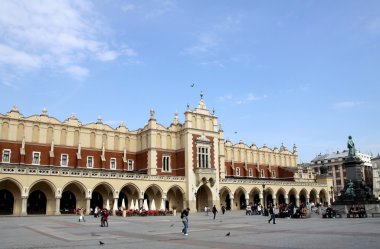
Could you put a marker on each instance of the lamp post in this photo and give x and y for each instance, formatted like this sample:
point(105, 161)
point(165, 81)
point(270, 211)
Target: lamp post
point(332, 194)
point(264, 209)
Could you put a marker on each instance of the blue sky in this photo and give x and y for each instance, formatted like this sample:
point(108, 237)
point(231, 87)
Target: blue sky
point(303, 72)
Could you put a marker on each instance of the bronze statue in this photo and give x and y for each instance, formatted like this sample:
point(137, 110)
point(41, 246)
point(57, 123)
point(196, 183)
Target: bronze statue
point(351, 148)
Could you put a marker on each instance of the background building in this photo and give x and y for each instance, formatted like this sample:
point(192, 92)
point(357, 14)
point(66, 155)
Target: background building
point(48, 166)
point(376, 175)
point(334, 163)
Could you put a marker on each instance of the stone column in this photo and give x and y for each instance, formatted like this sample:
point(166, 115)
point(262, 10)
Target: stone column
point(232, 203)
point(261, 200)
point(297, 201)
point(308, 199)
point(24, 201)
point(115, 208)
point(88, 206)
point(57, 205)
point(286, 199)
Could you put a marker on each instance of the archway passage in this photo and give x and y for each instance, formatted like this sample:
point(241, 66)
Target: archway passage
point(204, 198)
point(6, 202)
point(96, 200)
point(281, 199)
point(256, 199)
point(37, 203)
point(174, 198)
point(228, 202)
point(292, 199)
point(243, 201)
point(68, 203)
point(270, 199)
point(122, 197)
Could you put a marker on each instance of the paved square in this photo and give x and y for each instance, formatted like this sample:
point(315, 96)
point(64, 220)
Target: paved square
point(165, 232)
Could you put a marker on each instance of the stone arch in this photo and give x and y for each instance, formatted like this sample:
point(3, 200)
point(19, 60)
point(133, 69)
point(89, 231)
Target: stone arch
point(280, 196)
point(240, 201)
point(174, 198)
point(254, 195)
point(323, 197)
point(224, 195)
point(203, 197)
point(41, 197)
point(292, 195)
point(303, 196)
point(153, 194)
point(73, 196)
point(20, 131)
point(102, 195)
point(4, 131)
point(35, 133)
point(11, 203)
point(269, 196)
point(49, 134)
point(131, 192)
point(313, 196)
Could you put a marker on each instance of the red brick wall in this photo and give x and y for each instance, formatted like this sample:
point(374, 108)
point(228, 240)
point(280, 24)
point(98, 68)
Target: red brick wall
point(177, 162)
point(141, 162)
point(15, 151)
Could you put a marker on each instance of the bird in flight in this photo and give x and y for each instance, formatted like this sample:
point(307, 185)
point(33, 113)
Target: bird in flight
point(235, 132)
point(101, 243)
point(228, 234)
point(192, 85)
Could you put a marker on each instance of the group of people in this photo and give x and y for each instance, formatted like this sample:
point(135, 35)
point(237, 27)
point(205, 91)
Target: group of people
point(254, 209)
point(214, 210)
point(103, 213)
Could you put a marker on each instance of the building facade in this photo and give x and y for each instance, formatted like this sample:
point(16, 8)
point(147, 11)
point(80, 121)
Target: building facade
point(334, 163)
point(48, 166)
point(376, 176)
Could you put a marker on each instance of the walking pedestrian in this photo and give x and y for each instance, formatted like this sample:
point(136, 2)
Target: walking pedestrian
point(104, 218)
point(185, 221)
point(214, 211)
point(81, 215)
point(223, 209)
point(206, 210)
point(272, 215)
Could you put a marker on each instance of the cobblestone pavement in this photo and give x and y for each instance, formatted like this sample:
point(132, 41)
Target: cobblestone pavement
point(248, 232)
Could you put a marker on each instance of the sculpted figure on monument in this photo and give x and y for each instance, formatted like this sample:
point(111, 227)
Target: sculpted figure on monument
point(351, 148)
point(350, 188)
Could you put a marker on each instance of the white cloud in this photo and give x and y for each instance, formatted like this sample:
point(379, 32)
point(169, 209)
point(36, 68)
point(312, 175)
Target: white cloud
point(61, 35)
point(346, 104)
point(127, 7)
point(108, 55)
point(245, 100)
point(210, 40)
point(250, 98)
point(225, 97)
point(77, 72)
point(18, 58)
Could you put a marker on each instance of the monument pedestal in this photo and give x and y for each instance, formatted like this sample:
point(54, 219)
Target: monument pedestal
point(353, 169)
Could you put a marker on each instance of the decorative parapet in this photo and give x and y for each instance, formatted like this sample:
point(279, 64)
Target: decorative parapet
point(85, 173)
point(269, 182)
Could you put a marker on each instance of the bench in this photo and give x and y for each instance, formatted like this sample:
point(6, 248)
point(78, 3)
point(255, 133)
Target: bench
point(375, 215)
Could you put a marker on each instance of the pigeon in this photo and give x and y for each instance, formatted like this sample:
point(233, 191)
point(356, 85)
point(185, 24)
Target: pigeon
point(101, 243)
point(172, 225)
point(228, 234)
point(94, 234)
point(192, 85)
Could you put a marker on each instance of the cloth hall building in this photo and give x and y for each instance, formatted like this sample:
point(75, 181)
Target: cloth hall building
point(48, 166)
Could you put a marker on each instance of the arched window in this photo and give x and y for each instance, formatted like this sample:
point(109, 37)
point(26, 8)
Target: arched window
point(262, 173)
